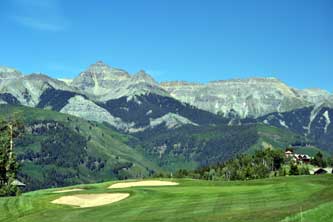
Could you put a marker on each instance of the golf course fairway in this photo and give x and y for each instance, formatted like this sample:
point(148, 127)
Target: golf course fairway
point(299, 198)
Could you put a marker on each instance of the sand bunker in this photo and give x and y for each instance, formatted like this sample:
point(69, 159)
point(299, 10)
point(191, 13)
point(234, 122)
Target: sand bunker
point(147, 183)
point(90, 200)
point(68, 190)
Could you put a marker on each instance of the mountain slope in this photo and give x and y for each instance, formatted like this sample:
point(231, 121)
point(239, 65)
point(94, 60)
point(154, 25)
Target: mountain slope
point(251, 97)
point(315, 122)
point(88, 96)
point(59, 149)
point(190, 146)
point(27, 89)
point(144, 111)
point(102, 82)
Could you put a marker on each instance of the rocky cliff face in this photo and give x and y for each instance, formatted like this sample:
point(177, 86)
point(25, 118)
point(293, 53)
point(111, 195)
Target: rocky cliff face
point(86, 109)
point(6, 76)
point(315, 96)
point(8, 73)
point(252, 97)
point(27, 89)
point(87, 95)
point(100, 86)
point(103, 83)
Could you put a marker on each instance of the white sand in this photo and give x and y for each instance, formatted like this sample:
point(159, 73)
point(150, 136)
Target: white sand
point(147, 183)
point(90, 200)
point(68, 190)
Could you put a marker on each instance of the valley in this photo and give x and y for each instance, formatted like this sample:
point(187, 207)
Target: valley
point(107, 124)
point(166, 111)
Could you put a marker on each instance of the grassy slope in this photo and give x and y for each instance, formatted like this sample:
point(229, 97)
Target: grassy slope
point(323, 212)
point(105, 143)
point(274, 137)
point(189, 147)
point(311, 151)
point(282, 138)
point(262, 200)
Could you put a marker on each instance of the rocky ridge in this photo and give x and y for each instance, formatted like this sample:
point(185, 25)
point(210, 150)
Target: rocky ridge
point(100, 83)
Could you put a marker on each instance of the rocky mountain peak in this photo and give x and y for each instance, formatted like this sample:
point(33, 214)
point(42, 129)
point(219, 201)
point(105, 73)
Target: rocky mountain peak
point(103, 82)
point(142, 76)
point(100, 62)
point(99, 78)
point(102, 70)
point(9, 73)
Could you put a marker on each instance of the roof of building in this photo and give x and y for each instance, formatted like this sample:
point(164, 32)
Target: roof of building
point(320, 171)
point(17, 183)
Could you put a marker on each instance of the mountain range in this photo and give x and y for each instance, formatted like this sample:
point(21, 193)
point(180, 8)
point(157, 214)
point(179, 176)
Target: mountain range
point(170, 125)
point(252, 97)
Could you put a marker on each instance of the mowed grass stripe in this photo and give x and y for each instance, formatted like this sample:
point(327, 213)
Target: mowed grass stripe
point(193, 200)
point(323, 212)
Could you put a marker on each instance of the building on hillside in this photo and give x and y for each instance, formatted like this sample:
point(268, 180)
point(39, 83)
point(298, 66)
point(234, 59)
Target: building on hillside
point(302, 158)
point(17, 183)
point(288, 153)
point(320, 171)
point(298, 158)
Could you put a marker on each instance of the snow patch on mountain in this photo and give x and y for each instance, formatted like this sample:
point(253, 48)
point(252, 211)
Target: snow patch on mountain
point(283, 123)
point(328, 120)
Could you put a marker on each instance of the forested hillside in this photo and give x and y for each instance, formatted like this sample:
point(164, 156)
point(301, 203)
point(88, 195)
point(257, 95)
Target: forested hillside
point(58, 150)
point(189, 147)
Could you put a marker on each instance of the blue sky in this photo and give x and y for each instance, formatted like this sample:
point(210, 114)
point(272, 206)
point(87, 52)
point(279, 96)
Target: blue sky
point(192, 40)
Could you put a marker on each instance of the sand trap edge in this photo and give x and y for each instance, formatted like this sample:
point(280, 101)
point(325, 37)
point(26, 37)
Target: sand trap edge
point(144, 183)
point(68, 190)
point(90, 200)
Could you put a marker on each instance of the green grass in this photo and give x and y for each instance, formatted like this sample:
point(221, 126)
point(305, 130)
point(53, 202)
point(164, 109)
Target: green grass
point(104, 143)
point(276, 199)
point(274, 137)
point(323, 212)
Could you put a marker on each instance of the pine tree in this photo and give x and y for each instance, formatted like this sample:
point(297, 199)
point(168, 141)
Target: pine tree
point(8, 164)
point(4, 157)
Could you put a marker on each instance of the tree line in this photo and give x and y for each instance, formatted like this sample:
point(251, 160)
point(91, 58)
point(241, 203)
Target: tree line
point(262, 164)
